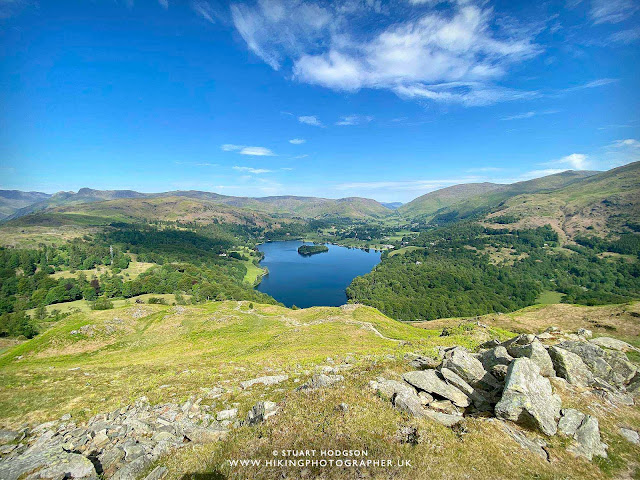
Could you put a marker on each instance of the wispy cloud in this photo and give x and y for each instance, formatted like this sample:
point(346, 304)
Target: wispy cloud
point(297, 141)
point(532, 113)
point(626, 36)
point(205, 10)
point(301, 156)
point(164, 4)
point(255, 171)
point(611, 11)
point(244, 150)
point(310, 120)
point(627, 143)
point(484, 169)
point(354, 120)
point(197, 164)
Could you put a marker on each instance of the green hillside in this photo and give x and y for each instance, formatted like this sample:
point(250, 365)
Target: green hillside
point(596, 205)
point(461, 201)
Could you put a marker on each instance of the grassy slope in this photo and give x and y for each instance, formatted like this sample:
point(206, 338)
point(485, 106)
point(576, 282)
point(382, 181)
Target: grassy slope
point(170, 353)
point(492, 197)
point(431, 202)
point(605, 201)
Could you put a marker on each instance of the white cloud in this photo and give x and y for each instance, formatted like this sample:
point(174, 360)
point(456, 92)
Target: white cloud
point(164, 4)
point(257, 151)
point(310, 120)
point(286, 168)
point(577, 161)
point(611, 11)
point(301, 156)
point(429, 54)
point(484, 169)
point(354, 120)
point(255, 171)
point(297, 141)
point(244, 150)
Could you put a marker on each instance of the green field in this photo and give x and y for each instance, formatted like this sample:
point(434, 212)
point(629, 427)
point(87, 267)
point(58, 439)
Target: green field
point(547, 297)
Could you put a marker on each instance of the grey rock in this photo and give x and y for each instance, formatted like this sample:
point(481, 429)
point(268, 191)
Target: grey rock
point(420, 362)
point(634, 385)
point(157, 473)
point(444, 418)
point(500, 372)
point(495, 356)
point(430, 382)
point(227, 414)
point(261, 411)
point(425, 398)
point(132, 470)
point(537, 353)
point(528, 399)
point(110, 460)
point(570, 421)
point(481, 401)
point(611, 366)
point(71, 465)
point(321, 381)
point(389, 388)
point(630, 435)
point(536, 446)
point(205, 435)
point(570, 366)
point(587, 440)
point(469, 368)
point(8, 436)
point(444, 406)
point(267, 380)
point(409, 404)
point(583, 332)
point(613, 344)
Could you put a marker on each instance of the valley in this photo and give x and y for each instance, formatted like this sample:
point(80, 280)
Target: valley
point(161, 335)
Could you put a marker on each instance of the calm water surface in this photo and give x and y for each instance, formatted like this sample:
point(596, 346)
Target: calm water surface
point(317, 280)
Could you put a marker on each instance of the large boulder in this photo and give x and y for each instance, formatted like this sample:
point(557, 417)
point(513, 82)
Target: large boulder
point(611, 366)
point(528, 399)
point(469, 368)
point(537, 353)
point(409, 403)
point(430, 382)
point(570, 366)
point(613, 344)
point(587, 439)
point(495, 356)
point(481, 400)
point(391, 388)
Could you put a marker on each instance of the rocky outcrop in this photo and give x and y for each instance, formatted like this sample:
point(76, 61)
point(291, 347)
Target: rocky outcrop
point(429, 381)
point(534, 351)
point(570, 366)
point(585, 431)
point(528, 399)
point(120, 444)
point(469, 368)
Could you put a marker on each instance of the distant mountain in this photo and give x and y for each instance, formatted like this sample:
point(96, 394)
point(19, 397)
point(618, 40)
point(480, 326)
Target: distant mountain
point(84, 195)
point(392, 205)
point(475, 200)
point(13, 200)
point(598, 204)
point(285, 206)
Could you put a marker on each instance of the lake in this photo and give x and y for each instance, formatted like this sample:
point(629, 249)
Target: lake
point(316, 280)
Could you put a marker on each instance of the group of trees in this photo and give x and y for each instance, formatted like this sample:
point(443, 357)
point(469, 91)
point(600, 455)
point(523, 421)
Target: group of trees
point(456, 275)
point(188, 263)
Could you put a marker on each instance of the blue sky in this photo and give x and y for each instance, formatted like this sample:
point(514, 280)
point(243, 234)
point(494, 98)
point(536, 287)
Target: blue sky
point(387, 100)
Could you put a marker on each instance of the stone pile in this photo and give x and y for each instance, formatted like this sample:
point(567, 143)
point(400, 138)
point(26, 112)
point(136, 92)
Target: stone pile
point(510, 381)
point(118, 445)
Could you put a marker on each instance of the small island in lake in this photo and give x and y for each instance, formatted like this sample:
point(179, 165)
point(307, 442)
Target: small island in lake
point(307, 250)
